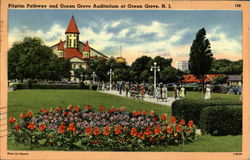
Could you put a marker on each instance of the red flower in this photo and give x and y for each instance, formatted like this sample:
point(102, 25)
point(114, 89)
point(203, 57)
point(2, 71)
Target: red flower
point(61, 129)
point(164, 117)
point(148, 131)
point(133, 132)
point(102, 108)
point(151, 139)
point(30, 114)
point(58, 109)
point(88, 130)
point(65, 113)
point(70, 107)
point(178, 128)
point(152, 113)
point(31, 126)
point(144, 113)
point(122, 139)
point(77, 109)
point(44, 110)
point(52, 110)
point(118, 130)
point(169, 129)
point(22, 115)
point(42, 127)
point(12, 120)
point(17, 127)
point(112, 109)
point(72, 127)
point(123, 109)
point(163, 137)
point(96, 131)
point(173, 120)
point(88, 107)
point(190, 124)
point(106, 131)
point(140, 135)
point(187, 130)
point(135, 113)
point(157, 129)
point(182, 122)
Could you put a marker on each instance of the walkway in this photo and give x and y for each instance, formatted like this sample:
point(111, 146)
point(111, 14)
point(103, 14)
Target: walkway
point(146, 98)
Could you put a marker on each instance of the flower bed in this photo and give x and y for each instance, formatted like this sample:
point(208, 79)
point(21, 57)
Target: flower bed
point(75, 128)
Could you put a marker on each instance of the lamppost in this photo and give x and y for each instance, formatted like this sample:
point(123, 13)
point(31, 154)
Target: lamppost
point(94, 76)
point(110, 73)
point(155, 68)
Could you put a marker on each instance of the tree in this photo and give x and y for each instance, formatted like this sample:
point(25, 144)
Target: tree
point(170, 74)
point(139, 65)
point(31, 59)
point(220, 80)
point(224, 66)
point(201, 57)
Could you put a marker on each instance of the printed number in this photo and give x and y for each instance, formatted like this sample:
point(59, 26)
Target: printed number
point(237, 5)
point(237, 153)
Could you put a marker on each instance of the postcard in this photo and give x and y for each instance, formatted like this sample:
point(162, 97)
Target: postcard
point(124, 79)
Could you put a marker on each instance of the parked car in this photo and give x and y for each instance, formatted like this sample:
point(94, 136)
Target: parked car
point(219, 89)
point(235, 90)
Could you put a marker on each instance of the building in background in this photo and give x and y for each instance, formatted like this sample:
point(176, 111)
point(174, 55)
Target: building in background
point(77, 52)
point(182, 65)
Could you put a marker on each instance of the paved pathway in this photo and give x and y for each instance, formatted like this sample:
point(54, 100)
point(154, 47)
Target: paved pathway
point(146, 98)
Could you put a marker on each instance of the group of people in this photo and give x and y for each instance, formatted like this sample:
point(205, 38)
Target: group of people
point(160, 93)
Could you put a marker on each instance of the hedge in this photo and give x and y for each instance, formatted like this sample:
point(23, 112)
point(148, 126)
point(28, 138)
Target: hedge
point(190, 109)
point(53, 86)
point(221, 120)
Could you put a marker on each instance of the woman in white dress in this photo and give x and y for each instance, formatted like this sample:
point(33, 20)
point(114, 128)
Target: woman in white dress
point(207, 94)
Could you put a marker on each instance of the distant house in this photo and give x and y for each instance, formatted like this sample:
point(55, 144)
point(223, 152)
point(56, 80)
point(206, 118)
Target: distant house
point(189, 78)
point(234, 80)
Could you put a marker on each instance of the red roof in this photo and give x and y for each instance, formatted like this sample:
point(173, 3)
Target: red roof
point(73, 52)
point(60, 46)
point(192, 79)
point(72, 27)
point(86, 47)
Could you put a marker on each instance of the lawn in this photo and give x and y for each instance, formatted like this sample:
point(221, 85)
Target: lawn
point(24, 100)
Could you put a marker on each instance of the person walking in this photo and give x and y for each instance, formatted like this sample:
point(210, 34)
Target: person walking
point(182, 92)
point(164, 93)
point(207, 94)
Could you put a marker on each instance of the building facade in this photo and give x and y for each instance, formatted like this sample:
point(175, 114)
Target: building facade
point(77, 52)
point(182, 65)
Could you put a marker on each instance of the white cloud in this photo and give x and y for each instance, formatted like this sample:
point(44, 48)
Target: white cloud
point(222, 44)
point(51, 37)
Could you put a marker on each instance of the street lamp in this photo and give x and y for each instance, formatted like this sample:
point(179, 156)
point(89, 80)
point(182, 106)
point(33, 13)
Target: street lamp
point(155, 68)
point(94, 76)
point(110, 73)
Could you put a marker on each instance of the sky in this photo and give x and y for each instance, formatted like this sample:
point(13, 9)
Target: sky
point(167, 33)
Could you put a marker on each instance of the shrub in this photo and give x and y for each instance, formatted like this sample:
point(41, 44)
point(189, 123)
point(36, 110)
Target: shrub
point(221, 120)
point(190, 109)
point(18, 86)
point(84, 129)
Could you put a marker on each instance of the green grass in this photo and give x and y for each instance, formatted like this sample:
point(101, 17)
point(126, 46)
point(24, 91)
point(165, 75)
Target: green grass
point(24, 100)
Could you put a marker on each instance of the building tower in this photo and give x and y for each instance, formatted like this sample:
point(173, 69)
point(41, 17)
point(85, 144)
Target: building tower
point(72, 34)
point(60, 49)
point(86, 51)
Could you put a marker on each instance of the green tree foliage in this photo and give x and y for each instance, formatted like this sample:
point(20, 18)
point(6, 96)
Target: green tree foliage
point(139, 65)
point(201, 57)
point(170, 74)
point(224, 66)
point(220, 80)
point(31, 59)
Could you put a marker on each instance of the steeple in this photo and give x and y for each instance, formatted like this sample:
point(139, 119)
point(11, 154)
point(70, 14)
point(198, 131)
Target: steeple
point(72, 34)
point(60, 49)
point(60, 46)
point(86, 50)
point(72, 27)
